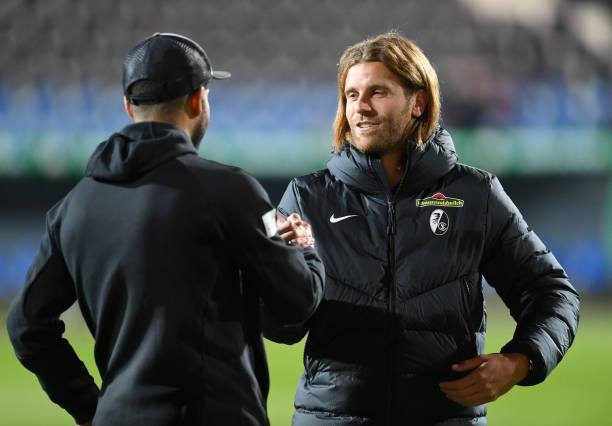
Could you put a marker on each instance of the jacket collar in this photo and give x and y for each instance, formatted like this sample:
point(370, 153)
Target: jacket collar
point(424, 166)
point(136, 149)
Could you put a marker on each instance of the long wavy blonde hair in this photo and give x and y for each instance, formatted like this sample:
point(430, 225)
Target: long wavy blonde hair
point(403, 58)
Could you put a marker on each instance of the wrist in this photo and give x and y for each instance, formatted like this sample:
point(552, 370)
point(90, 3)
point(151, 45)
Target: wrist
point(522, 365)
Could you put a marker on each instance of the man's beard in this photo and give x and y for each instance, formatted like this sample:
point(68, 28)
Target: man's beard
point(200, 128)
point(393, 136)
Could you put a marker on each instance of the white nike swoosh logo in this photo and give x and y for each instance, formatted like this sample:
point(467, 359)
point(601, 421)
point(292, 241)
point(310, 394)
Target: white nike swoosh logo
point(333, 219)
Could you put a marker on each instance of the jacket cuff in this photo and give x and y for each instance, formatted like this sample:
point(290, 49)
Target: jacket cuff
point(85, 408)
point(309, 252)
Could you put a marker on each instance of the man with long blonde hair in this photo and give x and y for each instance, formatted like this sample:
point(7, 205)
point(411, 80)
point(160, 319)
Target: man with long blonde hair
point(406, 234)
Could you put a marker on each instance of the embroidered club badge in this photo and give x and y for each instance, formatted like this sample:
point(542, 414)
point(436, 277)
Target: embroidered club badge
point(438, 222)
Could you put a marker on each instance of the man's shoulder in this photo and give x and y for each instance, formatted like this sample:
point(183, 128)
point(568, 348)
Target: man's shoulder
point(312, 180)
point(471, 174)
point(205, 165)
point(217, 178)
point(211, 169)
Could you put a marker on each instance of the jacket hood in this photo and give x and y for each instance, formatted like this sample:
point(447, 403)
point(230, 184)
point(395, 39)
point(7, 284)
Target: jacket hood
point(423, 166)
point(136, 149)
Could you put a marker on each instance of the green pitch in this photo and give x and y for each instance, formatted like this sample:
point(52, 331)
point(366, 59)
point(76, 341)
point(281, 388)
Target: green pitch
point(576, 393)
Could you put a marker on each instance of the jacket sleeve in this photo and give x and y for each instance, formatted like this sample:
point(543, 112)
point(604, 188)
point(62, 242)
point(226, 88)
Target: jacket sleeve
point(35, 330)
point(290, 279)
point(274, 328)
point(532, 284)
point(278, 330)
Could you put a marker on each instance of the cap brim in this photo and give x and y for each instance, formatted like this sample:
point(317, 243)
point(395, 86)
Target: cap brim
point(221, 75)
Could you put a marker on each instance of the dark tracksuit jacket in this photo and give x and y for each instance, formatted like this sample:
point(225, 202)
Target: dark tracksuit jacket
point(404, 278)
point(169, 257)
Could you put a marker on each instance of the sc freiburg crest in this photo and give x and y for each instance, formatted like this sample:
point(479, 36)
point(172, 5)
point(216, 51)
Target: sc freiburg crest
point(438, 222)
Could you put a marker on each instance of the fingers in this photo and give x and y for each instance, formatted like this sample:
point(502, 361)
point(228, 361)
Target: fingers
point(476, 394)
point(304, 242)
point(298, 239)
point(468, 397)
point(294, 230)
point(287, 227)
point(471, 400)
point(295, 218)
point(282, 224)
point(455, 385)
point(280, 220)
point(469, 364)
point(468, 391)
point(292, 221)
point(491, 378)
point(295, 233)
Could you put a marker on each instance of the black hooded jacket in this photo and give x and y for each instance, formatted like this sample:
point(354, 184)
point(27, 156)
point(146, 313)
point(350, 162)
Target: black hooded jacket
point(403, 298)
point(168, 256)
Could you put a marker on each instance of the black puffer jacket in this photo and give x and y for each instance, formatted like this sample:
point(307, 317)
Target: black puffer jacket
point(404, 300)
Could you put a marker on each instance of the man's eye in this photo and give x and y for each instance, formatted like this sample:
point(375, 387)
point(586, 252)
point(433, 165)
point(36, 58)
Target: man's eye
point(379, 92)
point(351, 96)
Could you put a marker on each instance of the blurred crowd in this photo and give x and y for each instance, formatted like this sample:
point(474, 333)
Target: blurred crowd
point(501, 62)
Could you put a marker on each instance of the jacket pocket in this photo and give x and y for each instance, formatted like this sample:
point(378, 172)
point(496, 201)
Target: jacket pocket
point(472, 312)
point(474, 302)
point(467, 288)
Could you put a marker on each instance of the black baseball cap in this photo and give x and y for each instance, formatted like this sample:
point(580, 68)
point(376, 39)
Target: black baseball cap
point(175, 64)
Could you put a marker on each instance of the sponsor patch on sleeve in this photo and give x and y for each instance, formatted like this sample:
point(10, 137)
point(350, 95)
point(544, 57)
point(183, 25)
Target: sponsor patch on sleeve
point(269, 221)
point(439, 200)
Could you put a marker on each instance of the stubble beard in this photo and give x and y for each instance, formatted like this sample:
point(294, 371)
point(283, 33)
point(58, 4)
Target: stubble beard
point(391, 137)
point(200, 128)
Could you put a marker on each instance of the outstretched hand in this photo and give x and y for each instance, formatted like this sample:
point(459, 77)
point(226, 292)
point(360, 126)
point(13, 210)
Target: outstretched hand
point(294, 230)
point(492, 375)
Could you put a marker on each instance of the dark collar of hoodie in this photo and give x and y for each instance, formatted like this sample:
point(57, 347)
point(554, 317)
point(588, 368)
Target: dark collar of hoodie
point(136, 149)
point(365, 173)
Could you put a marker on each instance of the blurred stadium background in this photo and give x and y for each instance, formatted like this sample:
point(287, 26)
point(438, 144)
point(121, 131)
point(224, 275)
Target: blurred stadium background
point(526, 86)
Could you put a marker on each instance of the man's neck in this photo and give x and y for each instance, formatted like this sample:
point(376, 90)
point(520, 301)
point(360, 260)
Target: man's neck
point(394, 165)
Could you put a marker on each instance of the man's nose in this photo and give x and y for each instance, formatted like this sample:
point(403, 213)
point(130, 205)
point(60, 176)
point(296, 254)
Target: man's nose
point(363, 105)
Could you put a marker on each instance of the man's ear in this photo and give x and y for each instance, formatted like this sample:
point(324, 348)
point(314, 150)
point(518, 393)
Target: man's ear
point(420, 102)
point(128, 108)
point(193, 107)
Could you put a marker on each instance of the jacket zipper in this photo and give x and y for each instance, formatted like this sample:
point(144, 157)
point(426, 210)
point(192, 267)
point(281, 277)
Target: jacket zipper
point(391, 290)
point(391, 218)
point(391, 327)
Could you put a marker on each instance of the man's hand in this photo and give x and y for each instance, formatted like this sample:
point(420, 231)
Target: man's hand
point(294, 230)
point(89, 423)
point(492, 376)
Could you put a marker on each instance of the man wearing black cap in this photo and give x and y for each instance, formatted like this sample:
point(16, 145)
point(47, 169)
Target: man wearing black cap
point(170, 258)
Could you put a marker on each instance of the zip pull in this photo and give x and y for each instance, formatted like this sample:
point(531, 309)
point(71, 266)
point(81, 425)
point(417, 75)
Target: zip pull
point(390, 218)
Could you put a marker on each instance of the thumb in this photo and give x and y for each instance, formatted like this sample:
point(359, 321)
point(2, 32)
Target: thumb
point(468, 364)
point(296, 219)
